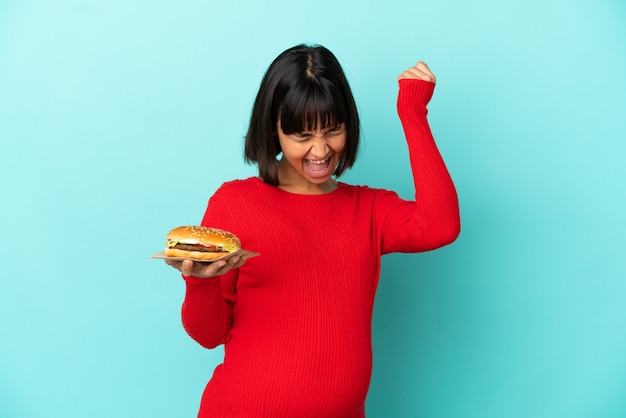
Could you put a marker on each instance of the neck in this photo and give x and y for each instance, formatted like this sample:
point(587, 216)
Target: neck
point(327, 187)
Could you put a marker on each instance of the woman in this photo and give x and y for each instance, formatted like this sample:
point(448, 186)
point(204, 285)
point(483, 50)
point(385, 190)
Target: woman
point(296, 321)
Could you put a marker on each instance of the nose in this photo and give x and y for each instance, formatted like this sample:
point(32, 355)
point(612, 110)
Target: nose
point(319, 149)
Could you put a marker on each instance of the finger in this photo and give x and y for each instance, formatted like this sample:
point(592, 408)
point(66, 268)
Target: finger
point(220, 263)
point(404, 74)
point(240, 262)
point(419, 72)
point(414, 73)
point(187, 267)
point(224, 266)
point(423, 67)
point(233, 262)
point(217, 268)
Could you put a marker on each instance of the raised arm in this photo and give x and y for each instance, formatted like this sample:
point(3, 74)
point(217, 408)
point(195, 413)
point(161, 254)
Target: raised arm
point(432, 220)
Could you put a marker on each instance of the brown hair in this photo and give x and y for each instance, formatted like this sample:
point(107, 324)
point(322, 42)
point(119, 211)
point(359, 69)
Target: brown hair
point(304, 86)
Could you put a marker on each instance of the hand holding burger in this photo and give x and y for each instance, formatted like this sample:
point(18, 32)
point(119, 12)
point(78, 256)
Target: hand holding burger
point(194, 244)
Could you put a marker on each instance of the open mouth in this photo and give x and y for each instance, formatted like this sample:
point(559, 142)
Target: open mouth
point(318, 168)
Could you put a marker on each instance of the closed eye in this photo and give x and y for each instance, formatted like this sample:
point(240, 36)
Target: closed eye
point(302, 136)
point(331, 132)
point(336, 130)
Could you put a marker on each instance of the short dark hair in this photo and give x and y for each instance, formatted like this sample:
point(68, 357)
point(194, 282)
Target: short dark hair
point(304, 86)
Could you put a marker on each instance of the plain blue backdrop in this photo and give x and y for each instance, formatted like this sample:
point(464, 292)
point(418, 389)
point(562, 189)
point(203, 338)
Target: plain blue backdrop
point(119, 119)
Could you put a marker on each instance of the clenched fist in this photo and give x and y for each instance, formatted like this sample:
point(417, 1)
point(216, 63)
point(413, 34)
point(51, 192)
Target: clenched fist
point(419, 72)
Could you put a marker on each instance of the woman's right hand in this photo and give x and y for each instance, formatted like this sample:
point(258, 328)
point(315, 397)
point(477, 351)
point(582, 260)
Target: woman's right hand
point(206, 270)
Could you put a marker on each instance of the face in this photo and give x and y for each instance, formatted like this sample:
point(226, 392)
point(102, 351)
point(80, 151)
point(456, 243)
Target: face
point(310, 157)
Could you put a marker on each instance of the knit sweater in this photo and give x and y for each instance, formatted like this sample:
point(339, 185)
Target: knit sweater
point(296, 320)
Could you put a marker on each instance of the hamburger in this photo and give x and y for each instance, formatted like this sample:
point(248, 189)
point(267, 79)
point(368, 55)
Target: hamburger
point(200, 242)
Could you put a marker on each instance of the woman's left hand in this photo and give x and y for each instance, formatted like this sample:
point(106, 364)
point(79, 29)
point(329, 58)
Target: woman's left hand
point(419, 72)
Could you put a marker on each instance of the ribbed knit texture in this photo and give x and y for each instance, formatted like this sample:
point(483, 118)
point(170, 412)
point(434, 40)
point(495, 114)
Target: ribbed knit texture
point(296, 320)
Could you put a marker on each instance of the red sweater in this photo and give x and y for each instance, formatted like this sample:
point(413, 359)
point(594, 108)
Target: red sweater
point(296, 320)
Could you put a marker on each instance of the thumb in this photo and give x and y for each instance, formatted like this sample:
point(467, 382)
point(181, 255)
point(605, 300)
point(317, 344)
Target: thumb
point(187, 268)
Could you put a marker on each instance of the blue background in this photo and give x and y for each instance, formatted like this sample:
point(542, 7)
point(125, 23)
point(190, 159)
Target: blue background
point(119, 119)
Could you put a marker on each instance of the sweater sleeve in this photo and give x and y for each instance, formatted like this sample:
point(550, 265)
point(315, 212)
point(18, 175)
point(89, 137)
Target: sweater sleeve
point(432, 219)
point(206, 310)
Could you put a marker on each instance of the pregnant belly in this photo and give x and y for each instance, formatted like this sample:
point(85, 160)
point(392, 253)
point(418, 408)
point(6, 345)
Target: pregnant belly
point(317, 379)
